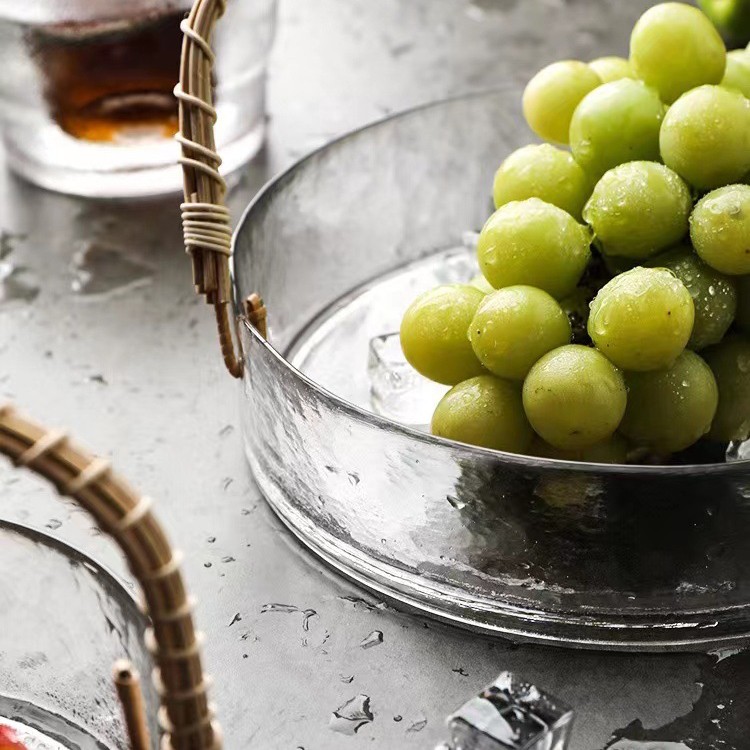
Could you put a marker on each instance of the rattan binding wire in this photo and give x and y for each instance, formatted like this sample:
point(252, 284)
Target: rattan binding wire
point(205, 219)
point(186, 716)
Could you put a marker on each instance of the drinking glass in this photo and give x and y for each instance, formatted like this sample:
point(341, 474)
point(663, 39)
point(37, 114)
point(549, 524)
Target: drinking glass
point(86, 102)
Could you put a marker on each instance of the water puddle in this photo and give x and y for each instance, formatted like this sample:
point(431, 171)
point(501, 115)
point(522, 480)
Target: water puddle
point(307, 616)
point(100, 269)
point(18, 284)
point(352, 715)
point(718, 718)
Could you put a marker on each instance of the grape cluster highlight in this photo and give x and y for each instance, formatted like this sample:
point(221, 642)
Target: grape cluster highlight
point(611, 319)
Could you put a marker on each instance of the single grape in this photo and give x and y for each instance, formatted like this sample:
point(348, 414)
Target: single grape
point(485, 411)
point(433, 333)
point(742, 318)
point(642, 319)
point(638, 208)
point(614, 450)
point(714, 295)
point(545, 172)
point(737, 74)
point(574, 397)
point(514, 327)
point(616, 123)
point(705, 137)
point(720, 229)
point(484, 286)
point(731, 17)
point(536, 244)
point(730, 364)
point(668, 410)
point(612, 68)
point(675, 48)
point(551, 96)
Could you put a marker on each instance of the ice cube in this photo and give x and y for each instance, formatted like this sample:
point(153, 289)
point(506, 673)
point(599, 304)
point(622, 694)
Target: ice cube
point(738, 451)
point(397, 390)
point(511, 714)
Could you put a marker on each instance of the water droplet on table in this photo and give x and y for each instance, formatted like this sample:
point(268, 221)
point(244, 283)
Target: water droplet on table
point(350, 717)
point(457, 503)
point(417, 726)
point(373, 639)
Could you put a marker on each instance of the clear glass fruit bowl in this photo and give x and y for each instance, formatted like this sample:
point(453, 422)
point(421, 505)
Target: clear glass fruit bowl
point(578, 554)
point(64, 621)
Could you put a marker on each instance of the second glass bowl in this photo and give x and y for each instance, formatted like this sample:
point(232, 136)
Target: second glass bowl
point(64, 621)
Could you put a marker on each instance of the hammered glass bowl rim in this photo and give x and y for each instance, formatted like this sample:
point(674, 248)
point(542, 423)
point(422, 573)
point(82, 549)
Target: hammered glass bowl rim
point(278, 182)
point(72, 552)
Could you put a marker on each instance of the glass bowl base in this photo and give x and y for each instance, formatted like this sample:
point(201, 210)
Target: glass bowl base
point(37, 729)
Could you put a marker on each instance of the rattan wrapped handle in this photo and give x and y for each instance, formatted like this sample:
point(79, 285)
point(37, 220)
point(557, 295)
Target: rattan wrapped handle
point(205, 219)
point(186, 716)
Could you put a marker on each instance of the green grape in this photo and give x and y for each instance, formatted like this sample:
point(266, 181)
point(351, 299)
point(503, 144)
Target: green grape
point(551, 96)
point(484, 286)
point(730, 364)
point(714, 295)
point(720, 229)
point(705, 137)
point(514, 327)
point(433, 333)
point(536, 244)
point(545, 172)
point(637, 209)
point(612, 68)
point(574, 397)
point(731, 17)
point(484, 411)
point(616, 123)
point(742, 318)
point(668, 410)
point(675, 48)
point(737, 74)
point(614, 450)
point(642, 319)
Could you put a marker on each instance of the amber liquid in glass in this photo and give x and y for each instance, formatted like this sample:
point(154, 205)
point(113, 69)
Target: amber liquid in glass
point(112, 81)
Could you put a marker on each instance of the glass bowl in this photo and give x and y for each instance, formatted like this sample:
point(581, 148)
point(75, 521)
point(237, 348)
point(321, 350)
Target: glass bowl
point(578, 554)
point(64, 621)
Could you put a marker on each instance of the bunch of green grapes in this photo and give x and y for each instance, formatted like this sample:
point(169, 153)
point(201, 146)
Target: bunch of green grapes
point(611, 318)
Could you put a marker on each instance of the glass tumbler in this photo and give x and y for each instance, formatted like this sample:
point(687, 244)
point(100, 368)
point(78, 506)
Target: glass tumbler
point(86, 102)
point(64, 621)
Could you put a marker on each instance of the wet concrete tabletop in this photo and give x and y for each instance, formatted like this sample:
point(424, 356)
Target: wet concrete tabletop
point(135, 372)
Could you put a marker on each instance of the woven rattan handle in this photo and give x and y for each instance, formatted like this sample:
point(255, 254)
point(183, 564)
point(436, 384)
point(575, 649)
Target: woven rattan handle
point(205, 218)
point(186, 715)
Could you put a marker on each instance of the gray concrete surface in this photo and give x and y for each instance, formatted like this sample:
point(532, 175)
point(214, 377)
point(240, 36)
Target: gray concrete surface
point(136, 374)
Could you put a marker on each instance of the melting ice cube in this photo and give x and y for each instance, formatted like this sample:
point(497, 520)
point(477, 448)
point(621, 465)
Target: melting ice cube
point(397, 390)
point(738, 451)
point(511, 714)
